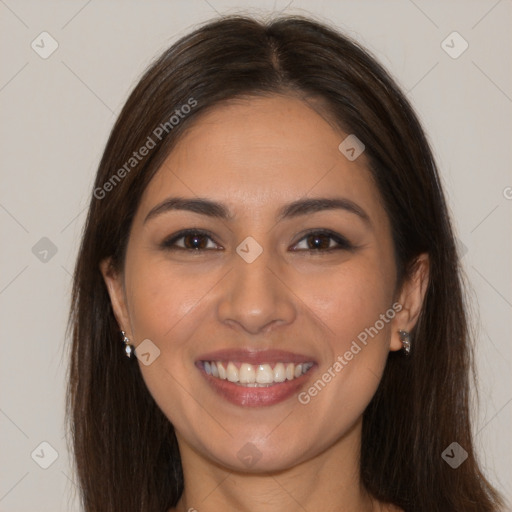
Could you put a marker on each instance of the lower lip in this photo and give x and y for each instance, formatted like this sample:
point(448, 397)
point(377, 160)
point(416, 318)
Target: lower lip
point(255, 397)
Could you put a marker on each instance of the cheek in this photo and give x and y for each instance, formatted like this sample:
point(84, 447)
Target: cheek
point(162, 297)
point(349, 299)
point(164, 306)
point(355, 306)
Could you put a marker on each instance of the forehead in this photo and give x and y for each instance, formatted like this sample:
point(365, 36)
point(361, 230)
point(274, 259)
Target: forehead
point(254, 152)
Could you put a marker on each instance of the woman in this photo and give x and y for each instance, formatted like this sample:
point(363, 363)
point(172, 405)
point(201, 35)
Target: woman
point(267, 310)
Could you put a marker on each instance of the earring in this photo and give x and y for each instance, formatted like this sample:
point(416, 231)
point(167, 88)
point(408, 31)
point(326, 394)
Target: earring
point(128, 347)
point(405, 338)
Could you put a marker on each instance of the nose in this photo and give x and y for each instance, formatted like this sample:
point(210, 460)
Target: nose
point(255, 297)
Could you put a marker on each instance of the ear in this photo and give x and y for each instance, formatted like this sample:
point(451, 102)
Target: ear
point(115, 286)
point(410, 298)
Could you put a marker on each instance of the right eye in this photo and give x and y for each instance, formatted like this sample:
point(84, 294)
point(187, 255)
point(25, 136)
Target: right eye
point(189, 240)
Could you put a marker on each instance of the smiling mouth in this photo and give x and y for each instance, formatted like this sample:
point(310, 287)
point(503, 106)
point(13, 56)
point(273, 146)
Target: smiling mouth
point(255, 375)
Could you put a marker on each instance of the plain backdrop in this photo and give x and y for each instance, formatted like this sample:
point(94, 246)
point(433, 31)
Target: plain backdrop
point(57, 113)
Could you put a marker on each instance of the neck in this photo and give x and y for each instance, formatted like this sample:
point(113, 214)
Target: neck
point(328, 482)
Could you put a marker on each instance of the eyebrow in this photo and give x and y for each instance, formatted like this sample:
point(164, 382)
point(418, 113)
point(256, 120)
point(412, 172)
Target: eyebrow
point(288, 211)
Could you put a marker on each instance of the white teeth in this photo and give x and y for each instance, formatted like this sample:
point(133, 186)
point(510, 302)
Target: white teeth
point(232, 372)
point(247, 374)
point(279, 373)
point(264, 375)
point(222, 371)
point(261, 375)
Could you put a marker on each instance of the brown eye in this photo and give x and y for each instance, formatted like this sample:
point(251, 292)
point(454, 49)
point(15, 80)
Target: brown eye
point(318, 241)
point(195, 241)
point(322, 241)
point(190, 240)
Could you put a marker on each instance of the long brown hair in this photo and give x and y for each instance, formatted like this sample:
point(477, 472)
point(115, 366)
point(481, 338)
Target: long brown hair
point(126, 454)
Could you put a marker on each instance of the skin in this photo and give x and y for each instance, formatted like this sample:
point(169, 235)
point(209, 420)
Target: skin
point(254, 156)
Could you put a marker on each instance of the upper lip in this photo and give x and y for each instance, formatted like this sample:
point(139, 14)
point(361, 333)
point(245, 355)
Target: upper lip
point(256, 356)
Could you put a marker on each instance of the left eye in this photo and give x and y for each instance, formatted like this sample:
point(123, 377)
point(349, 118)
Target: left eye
point(322, 241)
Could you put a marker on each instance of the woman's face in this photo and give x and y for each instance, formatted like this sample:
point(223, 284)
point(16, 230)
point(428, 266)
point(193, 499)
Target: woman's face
point(277, 285)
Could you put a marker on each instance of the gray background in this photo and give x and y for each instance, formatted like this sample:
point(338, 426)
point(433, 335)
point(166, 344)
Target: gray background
point(56, 116)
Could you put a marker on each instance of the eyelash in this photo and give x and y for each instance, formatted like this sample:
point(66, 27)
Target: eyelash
point(343, 243)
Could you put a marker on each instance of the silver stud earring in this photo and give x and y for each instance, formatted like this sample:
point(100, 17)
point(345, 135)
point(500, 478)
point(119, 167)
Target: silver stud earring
point(405, 338)
point(128, 347)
